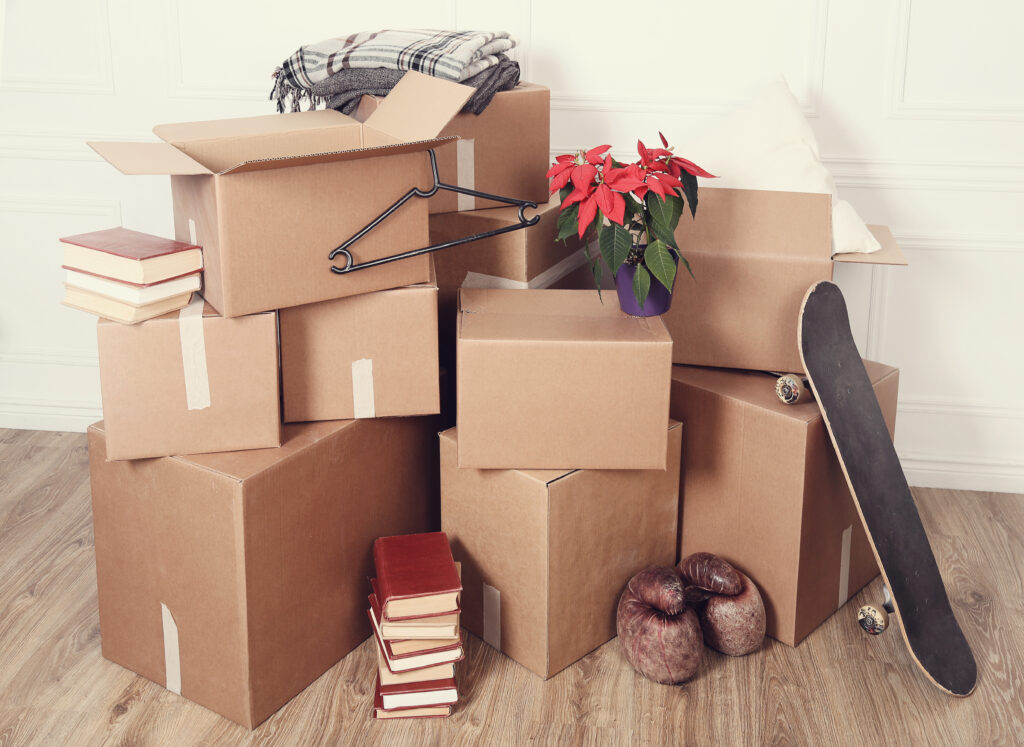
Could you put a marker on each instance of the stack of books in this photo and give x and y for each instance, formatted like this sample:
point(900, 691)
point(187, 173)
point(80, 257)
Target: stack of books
point(128, 276)
point(414, 610)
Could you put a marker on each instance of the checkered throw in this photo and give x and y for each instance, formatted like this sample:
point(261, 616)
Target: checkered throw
point(454, 55)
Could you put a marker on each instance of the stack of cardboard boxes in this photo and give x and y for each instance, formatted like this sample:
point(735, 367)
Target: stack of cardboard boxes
point(257, 442)
point(233, 551)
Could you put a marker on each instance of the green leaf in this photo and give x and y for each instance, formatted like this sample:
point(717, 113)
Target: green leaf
point(687, 266)
point(659, 261)
point(615, 243)
point(641, 285)
point(563, 193)
point(568, 222)
point(690, 190)
point(598, 271)
point(664, 216)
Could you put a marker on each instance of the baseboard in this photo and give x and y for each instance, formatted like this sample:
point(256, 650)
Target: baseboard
point(48, 415)
point(988, 475)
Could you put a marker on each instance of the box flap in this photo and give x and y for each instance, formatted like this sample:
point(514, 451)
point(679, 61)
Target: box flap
point(759, 223)
point(552, 315)
point(419, 107)
point(889, 254)
point(344, 155)
point(147, 158)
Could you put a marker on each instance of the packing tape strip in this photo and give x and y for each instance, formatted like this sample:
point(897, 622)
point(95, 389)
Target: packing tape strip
point(844, 567)
point(193, 354)
point(172, 658)
point(492, 616)
point(465, 165)
point(192, 232)
point(362, 389)
point(544, 280)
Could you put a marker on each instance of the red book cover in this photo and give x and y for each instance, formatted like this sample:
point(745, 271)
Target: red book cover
point(386, 647)
point(414, 565)
point(378, 705)
point(445, 691)
point(123, 242)
point(396, 618)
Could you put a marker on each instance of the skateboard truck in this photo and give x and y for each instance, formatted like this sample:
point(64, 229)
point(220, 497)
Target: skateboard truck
point(874, 620)
point(791, 388)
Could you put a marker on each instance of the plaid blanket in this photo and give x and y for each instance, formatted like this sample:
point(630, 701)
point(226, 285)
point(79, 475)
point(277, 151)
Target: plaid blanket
point(454, 55)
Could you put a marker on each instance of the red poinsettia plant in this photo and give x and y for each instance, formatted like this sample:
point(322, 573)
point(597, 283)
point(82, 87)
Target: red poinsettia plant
point(633, 209)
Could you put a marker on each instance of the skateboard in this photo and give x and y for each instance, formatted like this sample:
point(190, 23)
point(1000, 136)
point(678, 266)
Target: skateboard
point(790, 388)
point(880, 491)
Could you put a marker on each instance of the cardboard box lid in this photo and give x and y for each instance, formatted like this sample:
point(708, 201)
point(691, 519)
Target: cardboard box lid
point(552, 315)
point(762, 223)
point(409, 119)
point(758, 389)
point(889, 254)
point(242, 465)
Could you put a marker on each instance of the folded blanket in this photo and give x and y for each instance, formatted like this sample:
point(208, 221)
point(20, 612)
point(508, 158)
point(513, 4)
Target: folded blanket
point(344, 89)
point(453, 55)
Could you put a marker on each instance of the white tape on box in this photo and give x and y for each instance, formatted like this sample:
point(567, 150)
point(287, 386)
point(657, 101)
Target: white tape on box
point(492, 616)
point(544, 280)
point(362, 389)
point(465, 160)
point(172, 659)
point(844, 567)
point(193, 355)
point(192, 232)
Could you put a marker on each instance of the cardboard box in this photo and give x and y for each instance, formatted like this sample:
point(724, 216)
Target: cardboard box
point(545, 594)
point(365, 356)
point(189, 382)
point(555, 379)
point(762, 487)
point(270, 197)
point(754, 254)
point(527, 258)
point(237, 579)
point(505, 150)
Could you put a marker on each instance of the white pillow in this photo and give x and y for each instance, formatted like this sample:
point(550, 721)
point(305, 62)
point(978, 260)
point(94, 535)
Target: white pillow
point(768, 144)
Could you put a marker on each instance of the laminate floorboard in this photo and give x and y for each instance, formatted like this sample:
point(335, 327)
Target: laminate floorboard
point(838, 687)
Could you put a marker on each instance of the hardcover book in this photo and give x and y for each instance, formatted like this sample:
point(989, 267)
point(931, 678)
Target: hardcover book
point(439, 711)
point(416, 576)
point(418, 694)
point(452, 653)
point(131, 293)
point(119, 311)
point(130, 256)
point(425, 674)
point(435, 626)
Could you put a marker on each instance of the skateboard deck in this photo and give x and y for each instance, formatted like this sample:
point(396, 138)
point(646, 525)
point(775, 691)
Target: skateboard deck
point(879, 488)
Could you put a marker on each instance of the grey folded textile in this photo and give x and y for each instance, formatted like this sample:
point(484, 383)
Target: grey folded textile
point(343, 90)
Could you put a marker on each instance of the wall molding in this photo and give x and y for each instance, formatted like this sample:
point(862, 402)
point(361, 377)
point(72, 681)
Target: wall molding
point(49, 357)
point(945, 406)
point(901, 108)
point(102, 83)
point(966, 176)
point(817, 42)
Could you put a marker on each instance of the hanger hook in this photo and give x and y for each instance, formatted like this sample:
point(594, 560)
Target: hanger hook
point(437, 179)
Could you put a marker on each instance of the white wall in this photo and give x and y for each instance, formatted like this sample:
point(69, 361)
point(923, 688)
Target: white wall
point(918, 107)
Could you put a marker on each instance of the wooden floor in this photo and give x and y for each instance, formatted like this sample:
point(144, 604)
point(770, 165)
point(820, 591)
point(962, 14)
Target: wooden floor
point(838, 687)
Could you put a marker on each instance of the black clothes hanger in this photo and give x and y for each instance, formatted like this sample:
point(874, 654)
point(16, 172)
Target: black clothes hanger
point(351, 265)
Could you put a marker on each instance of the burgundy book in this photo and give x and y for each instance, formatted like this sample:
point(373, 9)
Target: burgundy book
point(418, 628)
point(419, 694)
point(416, 576)
point(130, 256)
point(420, 660)
point(437, 711)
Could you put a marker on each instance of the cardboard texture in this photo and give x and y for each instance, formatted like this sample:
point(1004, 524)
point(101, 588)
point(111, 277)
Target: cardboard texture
point(371, 355)
point(554, 379)
point(762, 487)
point(754, 254)
point(169, 388)
point(546, 593)
point(270, 197)
point(260, 557)
point(505, 150)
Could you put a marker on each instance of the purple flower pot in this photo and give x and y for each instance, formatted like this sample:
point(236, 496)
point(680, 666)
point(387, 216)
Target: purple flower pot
point(658, 300)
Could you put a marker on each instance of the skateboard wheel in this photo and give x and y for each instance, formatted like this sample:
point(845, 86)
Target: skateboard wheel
point(872, 619)
point(790, 389)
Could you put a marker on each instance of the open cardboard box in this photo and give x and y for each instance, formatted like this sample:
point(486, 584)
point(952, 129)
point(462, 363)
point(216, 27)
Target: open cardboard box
point(269, 198)
point(754, 254)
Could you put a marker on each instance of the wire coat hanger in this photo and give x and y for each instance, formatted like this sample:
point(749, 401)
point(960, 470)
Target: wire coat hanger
point(351, 265)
